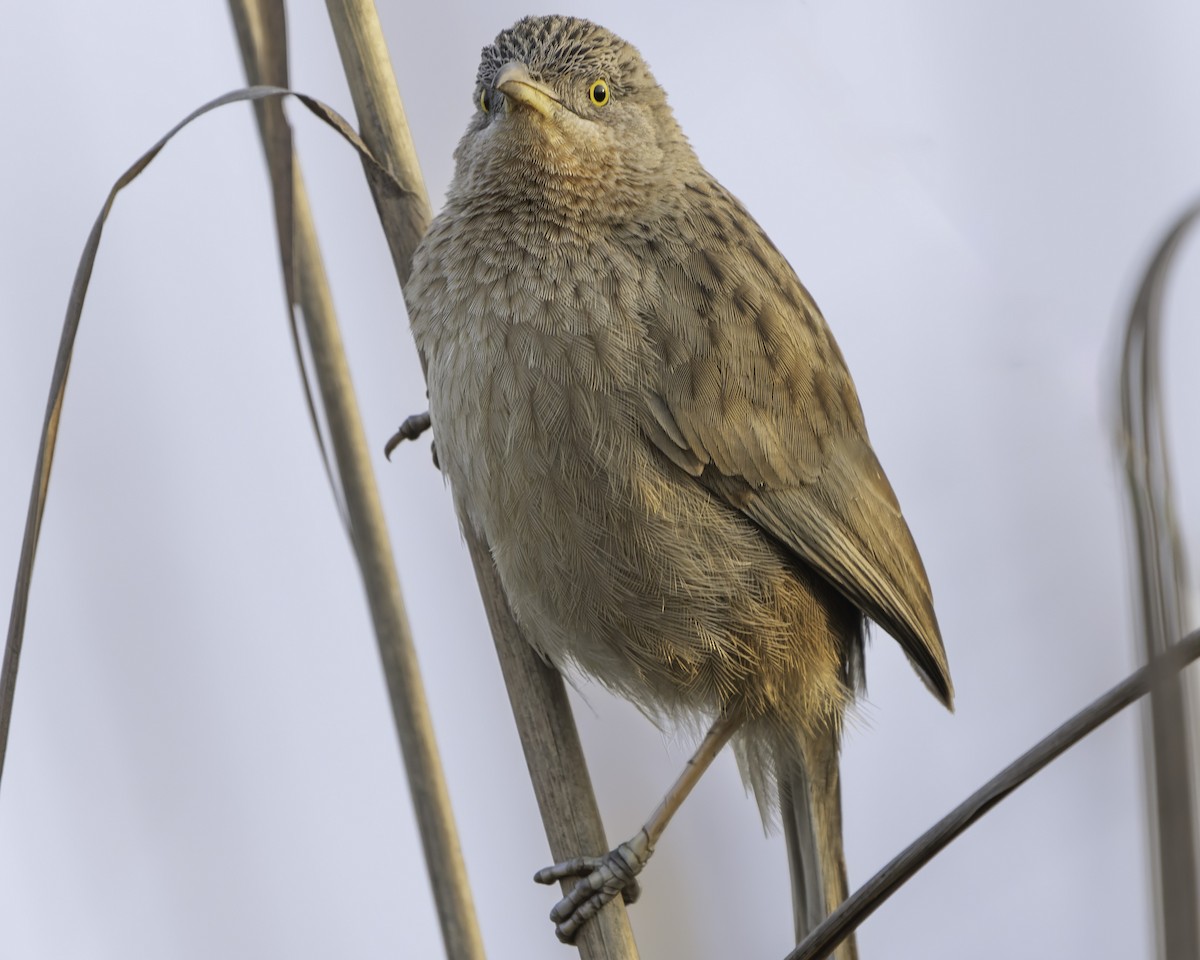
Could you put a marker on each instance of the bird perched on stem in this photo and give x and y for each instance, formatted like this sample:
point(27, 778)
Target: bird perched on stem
point(641, 409)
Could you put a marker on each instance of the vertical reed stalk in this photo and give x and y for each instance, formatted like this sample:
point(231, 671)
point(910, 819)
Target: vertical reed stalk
point(539, 701)
point(260, 29)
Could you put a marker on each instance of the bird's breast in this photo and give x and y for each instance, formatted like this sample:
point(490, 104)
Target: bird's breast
point(611, 557)
point(534, 360)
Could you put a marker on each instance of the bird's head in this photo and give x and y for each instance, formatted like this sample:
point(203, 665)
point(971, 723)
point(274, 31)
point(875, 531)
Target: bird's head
point(566, 113)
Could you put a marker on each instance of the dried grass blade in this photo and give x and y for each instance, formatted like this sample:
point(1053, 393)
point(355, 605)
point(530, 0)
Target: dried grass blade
point(1142, 444)
point(409, 696)
point(871, 895)
point(58, 386)
point(256, 25)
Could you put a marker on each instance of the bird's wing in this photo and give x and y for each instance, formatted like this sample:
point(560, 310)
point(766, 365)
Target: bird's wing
point(751, 396)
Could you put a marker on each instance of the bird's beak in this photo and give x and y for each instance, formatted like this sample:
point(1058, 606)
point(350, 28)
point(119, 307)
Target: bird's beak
point(519, 87)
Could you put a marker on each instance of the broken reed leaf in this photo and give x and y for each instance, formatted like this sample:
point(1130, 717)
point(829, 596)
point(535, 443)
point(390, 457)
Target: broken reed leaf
point(66, 347)
point(872, 894)
point(262, 29)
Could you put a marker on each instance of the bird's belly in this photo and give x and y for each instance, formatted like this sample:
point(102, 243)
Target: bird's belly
point(612, 560)
point(545, 470)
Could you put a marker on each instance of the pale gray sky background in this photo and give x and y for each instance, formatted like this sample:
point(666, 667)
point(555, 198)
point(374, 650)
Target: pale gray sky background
point(202, 761)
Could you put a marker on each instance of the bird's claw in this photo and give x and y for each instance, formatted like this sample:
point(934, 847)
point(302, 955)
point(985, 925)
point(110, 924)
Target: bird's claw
point(410, 429)
point(602, 878)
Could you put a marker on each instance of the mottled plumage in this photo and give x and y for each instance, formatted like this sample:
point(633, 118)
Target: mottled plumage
point(640, 407)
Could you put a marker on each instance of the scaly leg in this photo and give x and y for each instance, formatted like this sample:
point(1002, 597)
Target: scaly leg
point(616, 872)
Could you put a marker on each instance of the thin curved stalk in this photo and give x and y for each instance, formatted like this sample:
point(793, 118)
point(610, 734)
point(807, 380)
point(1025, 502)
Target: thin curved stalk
point(871, 895)
point(1142, 445)
point(58, 388)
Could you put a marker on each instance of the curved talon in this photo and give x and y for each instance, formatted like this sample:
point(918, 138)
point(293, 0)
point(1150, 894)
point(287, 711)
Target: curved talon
point(575, 867)
point(410, 429)
point(602, 878)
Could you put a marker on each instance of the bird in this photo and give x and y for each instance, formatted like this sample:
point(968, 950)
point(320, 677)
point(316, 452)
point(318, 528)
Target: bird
point(641, 409)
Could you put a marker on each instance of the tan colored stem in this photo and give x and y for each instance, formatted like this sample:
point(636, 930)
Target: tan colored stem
point(870, 896)
point(555, 760)
point(431, 800)
point(383, 127)
point(1170, 744)
point(537, 694)
point(426, 779)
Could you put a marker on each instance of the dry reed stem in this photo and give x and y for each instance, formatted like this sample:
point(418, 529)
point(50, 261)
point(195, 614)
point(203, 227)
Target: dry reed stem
point(1169, 748)
point(544, 721)
point(872, 894)
point(261, 35)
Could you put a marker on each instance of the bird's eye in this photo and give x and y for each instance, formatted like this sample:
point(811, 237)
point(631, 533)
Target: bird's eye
point(483, 100)
point(598, 93)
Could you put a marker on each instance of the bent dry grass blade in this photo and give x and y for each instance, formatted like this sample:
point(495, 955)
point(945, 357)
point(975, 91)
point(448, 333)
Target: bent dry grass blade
point(393, 654)
point(1159, 563)
point(872, 894)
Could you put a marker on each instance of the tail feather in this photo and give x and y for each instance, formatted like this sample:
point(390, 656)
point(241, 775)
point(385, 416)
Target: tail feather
point(810, 801)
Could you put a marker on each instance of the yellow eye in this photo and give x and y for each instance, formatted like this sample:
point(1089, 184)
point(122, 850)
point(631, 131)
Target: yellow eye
point(598, 93)
point(483, 104)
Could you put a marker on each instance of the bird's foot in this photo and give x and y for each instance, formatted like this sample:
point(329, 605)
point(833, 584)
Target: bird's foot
point(602, 879)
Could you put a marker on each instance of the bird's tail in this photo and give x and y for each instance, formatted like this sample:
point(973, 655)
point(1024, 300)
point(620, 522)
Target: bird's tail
point(810, 803)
